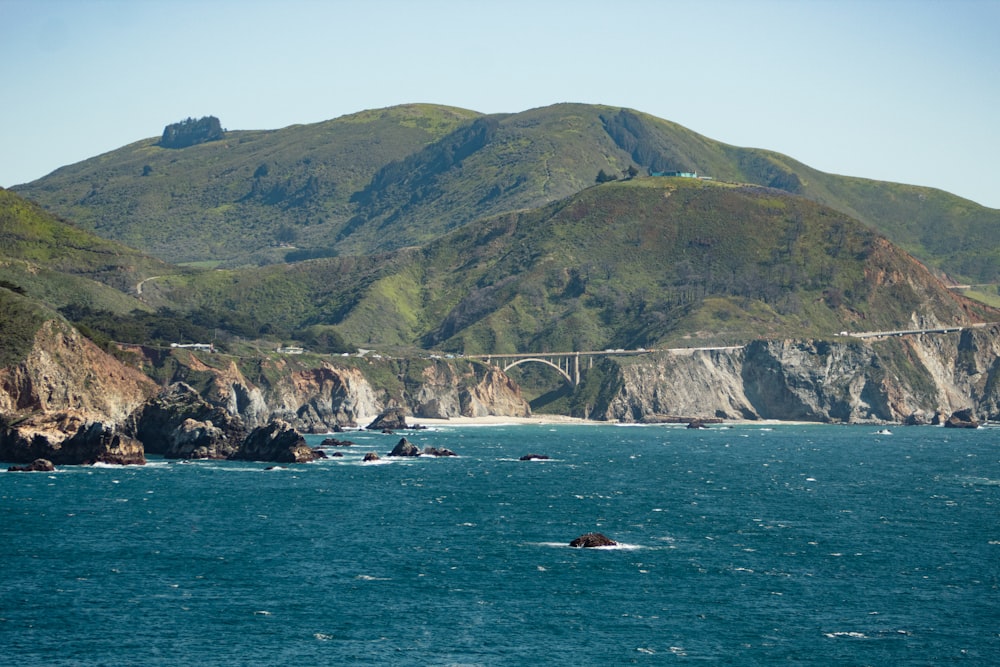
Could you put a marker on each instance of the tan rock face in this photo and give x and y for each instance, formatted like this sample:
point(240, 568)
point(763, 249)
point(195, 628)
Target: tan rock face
point(495, 394)
point(855, 382)
point(65, 371)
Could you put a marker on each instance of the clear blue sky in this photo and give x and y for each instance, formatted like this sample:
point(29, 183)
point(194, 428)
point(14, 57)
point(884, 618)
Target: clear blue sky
point(898, 90)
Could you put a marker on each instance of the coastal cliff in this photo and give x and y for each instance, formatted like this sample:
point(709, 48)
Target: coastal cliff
point(67, 388)
point(64, 400)
point(910, 378)
point(63, 370)
point(318, 395)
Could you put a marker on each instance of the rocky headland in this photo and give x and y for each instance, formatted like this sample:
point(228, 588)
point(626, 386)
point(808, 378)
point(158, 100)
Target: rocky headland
point(912, 379)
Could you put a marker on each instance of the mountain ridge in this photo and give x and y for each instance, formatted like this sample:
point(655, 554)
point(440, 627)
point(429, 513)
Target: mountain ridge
point(384, 179)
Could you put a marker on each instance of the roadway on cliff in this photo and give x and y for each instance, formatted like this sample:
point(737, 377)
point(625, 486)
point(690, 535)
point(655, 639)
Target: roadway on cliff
point(568, 363)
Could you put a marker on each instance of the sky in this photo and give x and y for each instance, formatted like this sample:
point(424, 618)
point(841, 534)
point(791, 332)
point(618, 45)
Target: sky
point(897, 90)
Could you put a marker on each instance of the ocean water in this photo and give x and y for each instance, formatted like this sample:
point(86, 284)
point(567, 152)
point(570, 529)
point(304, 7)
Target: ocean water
point(750, 545)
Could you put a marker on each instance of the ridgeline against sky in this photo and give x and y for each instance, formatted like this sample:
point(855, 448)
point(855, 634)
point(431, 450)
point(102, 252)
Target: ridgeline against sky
point(895, 91)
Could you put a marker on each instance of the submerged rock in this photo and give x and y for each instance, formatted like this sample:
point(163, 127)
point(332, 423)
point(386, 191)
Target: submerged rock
point(590, 540)
point(333, 442)
point(38, 465)
point(438, 451)
point(534, 457)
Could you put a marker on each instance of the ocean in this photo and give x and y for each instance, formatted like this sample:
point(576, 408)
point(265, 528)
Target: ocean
point(745, 545)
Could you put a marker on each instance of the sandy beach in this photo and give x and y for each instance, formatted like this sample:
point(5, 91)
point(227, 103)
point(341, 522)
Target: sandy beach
point(494, 420)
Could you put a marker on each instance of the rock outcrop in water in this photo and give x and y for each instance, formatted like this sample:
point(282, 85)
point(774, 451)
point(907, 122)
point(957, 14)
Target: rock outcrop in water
point(591, 540)
point(277, 442)
point(69, 439)
point(392, 419)
point(405, 448)
point(179, 423)
point(962, 419)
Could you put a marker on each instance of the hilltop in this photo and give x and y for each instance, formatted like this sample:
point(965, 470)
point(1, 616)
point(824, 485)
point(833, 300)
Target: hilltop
point(386, 179)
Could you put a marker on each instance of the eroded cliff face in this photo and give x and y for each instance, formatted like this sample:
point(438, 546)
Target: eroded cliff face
point(318, 399)
point(66, 372)
point(321, 397)
point(912, 377)
point(64, 402)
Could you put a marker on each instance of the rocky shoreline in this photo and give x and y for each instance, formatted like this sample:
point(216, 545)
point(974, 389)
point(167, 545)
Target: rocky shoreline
point(70, 403)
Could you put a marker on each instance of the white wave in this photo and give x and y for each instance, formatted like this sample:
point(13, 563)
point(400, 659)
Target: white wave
point(850, 635)
point(981, 481)
point(621, 546)
point(368, 577)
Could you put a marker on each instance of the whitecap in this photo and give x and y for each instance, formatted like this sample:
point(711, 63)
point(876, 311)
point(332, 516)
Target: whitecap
point(850, 635)
point(621, 546)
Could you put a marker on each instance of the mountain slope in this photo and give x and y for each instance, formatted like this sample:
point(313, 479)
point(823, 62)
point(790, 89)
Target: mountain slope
point(642, 263)
point(59, 264)
point(246, 197)
point(382, 180)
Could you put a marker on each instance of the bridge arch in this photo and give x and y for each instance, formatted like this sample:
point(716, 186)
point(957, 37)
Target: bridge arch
point(566, 375)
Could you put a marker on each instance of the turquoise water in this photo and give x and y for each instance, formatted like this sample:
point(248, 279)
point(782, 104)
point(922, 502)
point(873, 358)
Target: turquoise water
point(738, 546)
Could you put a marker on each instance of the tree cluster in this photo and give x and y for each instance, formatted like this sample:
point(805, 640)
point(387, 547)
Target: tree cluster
point(627, 174)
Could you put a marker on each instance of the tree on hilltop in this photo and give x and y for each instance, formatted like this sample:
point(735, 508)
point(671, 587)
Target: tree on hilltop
point(602, 177)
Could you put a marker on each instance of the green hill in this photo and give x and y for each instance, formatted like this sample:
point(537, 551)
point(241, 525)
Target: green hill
point(392, 178)
point(249, 197)
point(640, 263)
point(58, 264)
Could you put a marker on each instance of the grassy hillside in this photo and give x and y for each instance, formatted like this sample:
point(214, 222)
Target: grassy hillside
point(642, 263)
point(20, 319)
point(251, 197)
point(392, 178)
point(60, 264)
